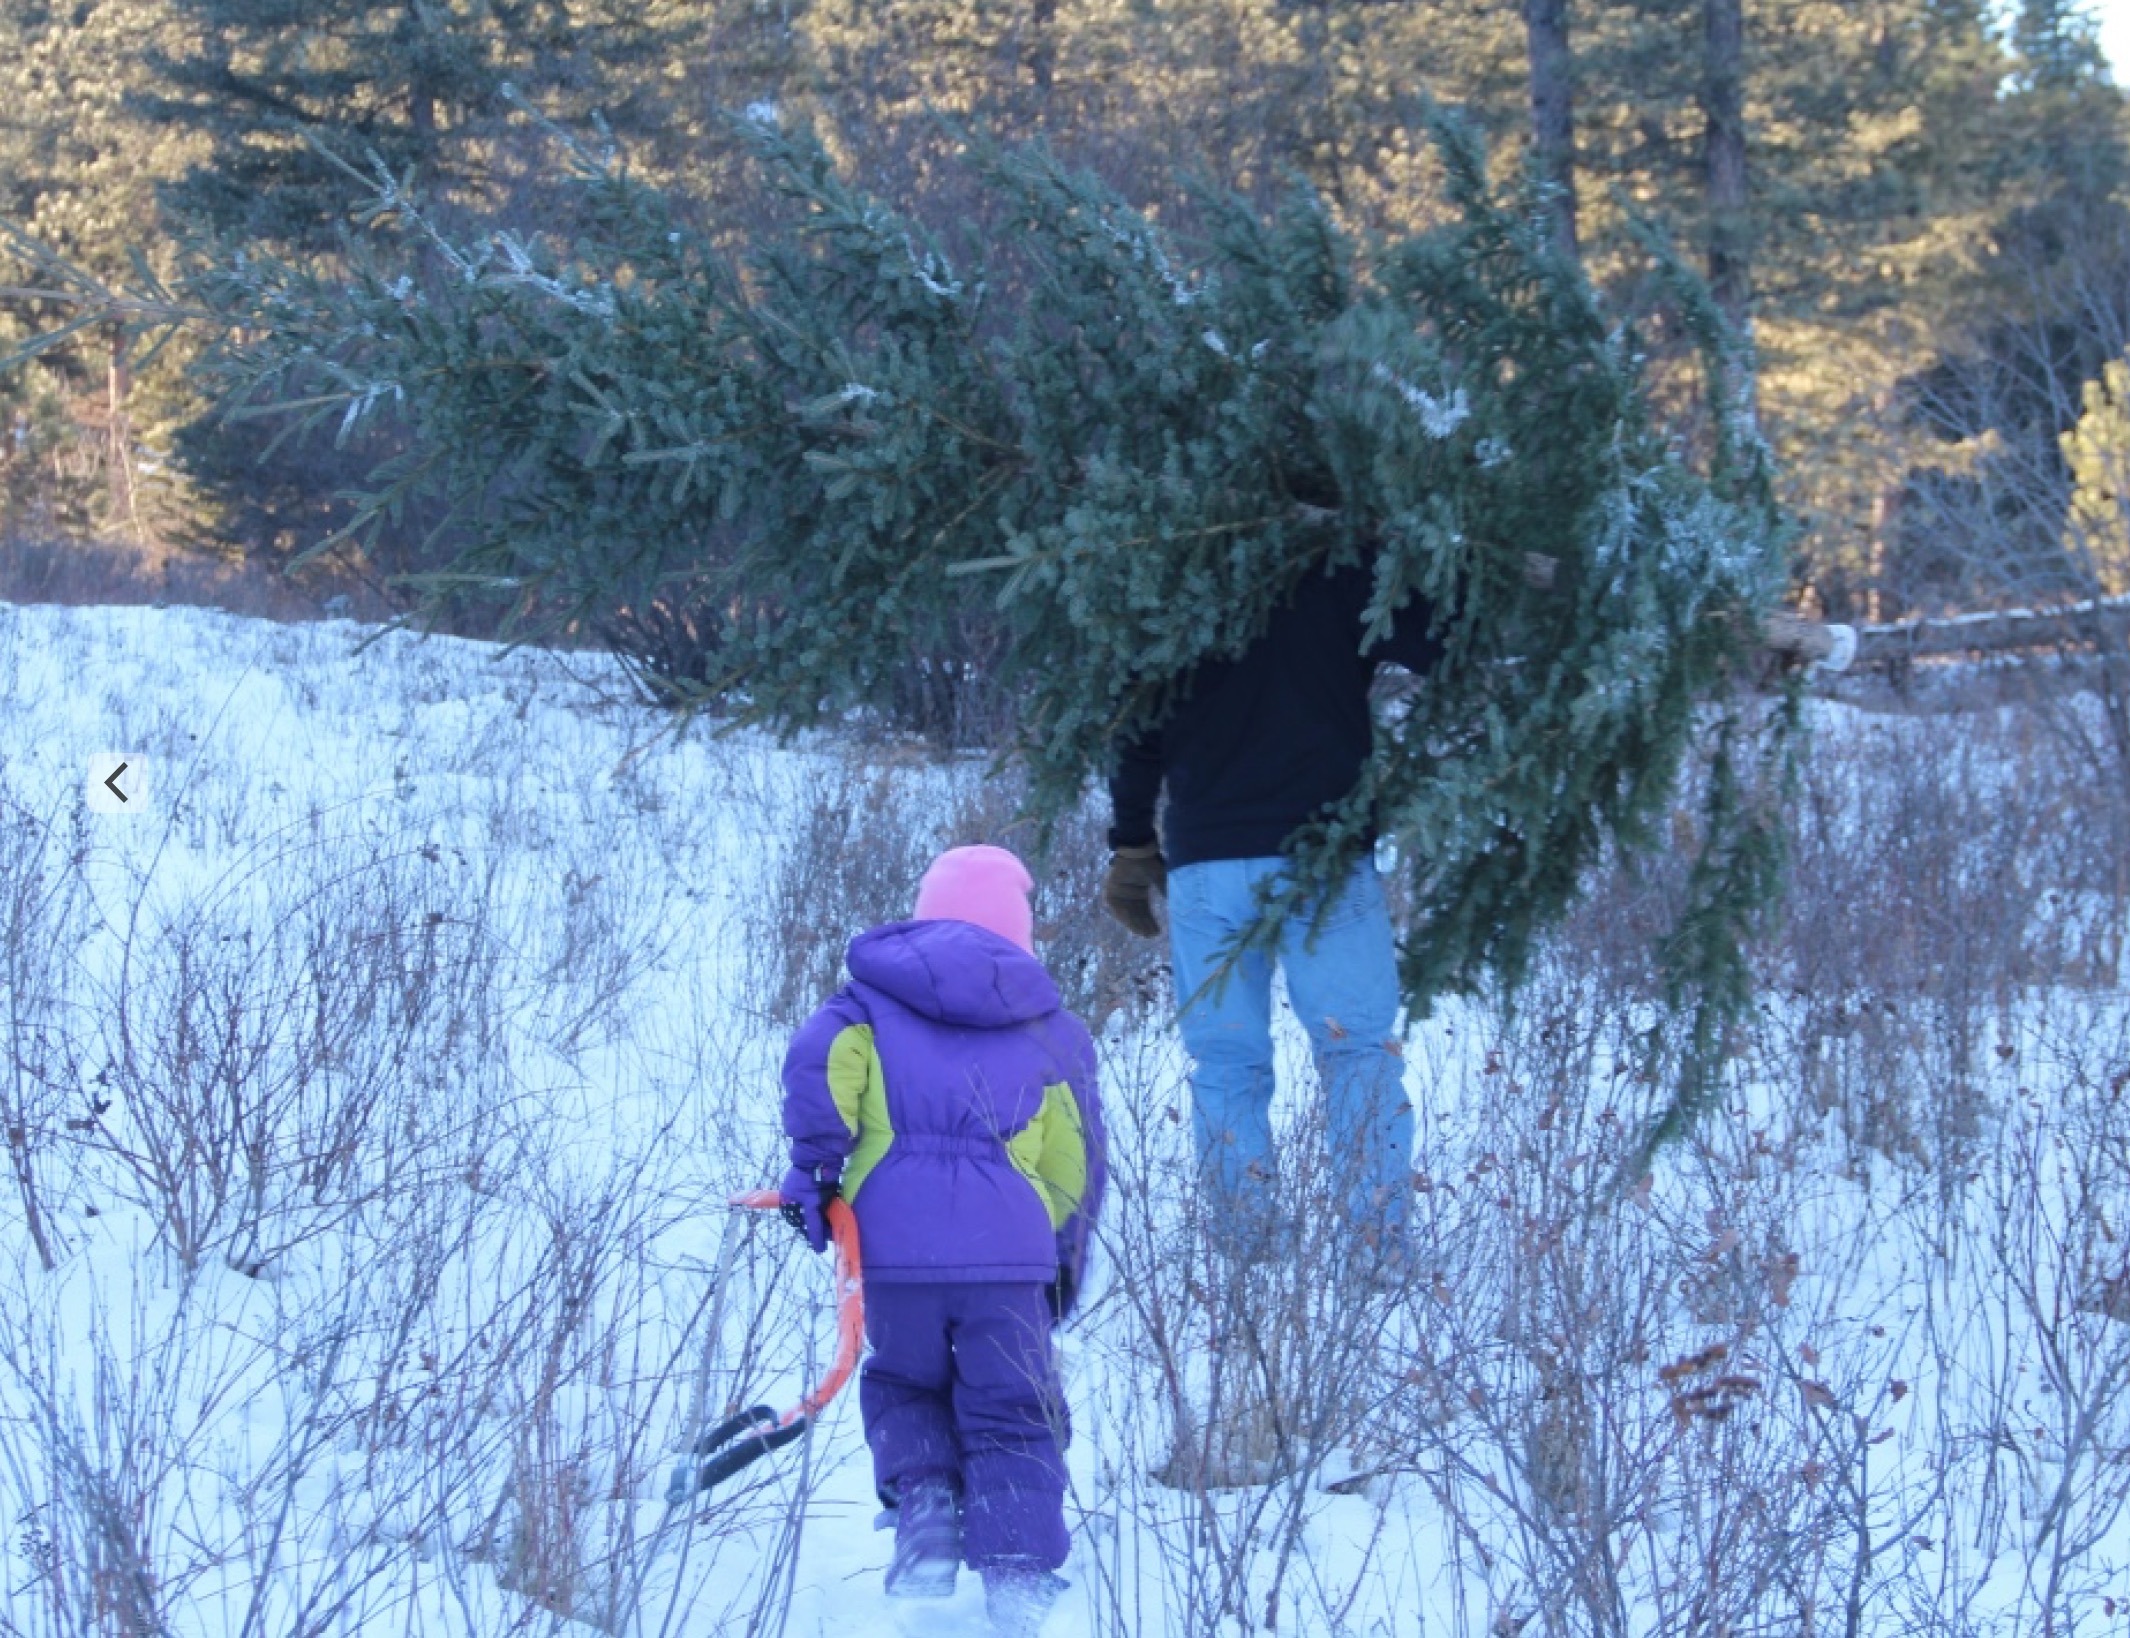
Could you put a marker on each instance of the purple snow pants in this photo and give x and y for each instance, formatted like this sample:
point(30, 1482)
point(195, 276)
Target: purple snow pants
point(962, 1386)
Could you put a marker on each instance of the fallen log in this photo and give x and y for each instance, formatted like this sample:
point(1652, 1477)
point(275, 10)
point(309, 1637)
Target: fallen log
point(2074, 625)
point(1817, 642)
point(1836, 647)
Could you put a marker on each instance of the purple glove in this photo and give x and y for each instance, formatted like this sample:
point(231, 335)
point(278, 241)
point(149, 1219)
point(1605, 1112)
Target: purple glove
point(806, 1197)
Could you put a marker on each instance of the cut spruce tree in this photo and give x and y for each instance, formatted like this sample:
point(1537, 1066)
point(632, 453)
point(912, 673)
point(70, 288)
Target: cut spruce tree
point(830, 446)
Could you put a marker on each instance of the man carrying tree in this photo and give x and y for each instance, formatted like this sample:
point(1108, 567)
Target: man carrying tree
point(1251, 749)
point(820, 456)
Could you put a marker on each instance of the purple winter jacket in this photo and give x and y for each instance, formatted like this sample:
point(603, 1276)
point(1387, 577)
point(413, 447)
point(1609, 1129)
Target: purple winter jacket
point(957, 1098)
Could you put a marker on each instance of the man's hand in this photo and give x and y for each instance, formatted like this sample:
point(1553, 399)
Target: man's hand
point(1135, 875)
point(805, 1207)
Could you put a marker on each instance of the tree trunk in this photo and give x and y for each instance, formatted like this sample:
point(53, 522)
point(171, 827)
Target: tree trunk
point(1881, 599)
point(1723, 107)
point(118, 429)
point(1553, 110)
point(421, 88)
point(421, 115)
point(1043, 47)
point(2100, 625)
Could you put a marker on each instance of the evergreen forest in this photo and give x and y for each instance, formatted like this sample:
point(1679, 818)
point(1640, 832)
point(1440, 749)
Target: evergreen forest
point(1917, 203)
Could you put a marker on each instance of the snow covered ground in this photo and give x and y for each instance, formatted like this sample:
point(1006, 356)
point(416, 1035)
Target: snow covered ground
point(375, 1094)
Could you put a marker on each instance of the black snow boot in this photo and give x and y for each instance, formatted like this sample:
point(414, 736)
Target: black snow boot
point(927, 1542)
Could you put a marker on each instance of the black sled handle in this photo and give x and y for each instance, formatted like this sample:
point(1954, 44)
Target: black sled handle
point(737, 1443)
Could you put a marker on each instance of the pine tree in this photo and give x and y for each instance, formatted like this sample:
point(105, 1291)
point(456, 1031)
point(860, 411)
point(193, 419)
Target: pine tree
point(78, 171)
point(2057, 43)
point(287, 95)
point(2032, 320)
point(423, 85)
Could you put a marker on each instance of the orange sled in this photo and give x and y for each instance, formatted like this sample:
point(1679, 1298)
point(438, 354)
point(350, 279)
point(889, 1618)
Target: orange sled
point(741, 1440)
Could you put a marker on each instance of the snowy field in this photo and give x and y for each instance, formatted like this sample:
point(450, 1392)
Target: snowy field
point(374, 1096)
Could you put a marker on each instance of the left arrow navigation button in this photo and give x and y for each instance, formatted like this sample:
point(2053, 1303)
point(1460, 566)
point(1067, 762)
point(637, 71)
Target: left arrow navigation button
point(118, 783)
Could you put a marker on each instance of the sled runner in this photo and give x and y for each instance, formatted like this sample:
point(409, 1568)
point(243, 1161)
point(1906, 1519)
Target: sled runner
point(738, 1442)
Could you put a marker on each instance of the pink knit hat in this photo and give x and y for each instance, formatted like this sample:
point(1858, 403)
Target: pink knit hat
point(986, 885)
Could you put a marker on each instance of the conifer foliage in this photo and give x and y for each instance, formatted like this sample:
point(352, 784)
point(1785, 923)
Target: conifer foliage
point(828, 445)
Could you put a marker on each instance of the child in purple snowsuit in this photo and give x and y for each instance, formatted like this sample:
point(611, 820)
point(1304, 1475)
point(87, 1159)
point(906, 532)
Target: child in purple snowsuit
point(947, 1095)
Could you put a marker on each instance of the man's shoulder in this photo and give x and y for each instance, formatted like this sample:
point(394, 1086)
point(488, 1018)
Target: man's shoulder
point(1341, 598)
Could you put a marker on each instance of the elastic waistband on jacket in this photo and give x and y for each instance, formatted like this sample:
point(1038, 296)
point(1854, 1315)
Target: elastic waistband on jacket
point(939, 1143)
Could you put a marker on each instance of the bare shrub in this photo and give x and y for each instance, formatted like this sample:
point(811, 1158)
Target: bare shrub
point(405, 1067)
point(854, 846)
point(1243, 1367)
point(302, 1475)
point(601, 944)
point(1598, 1395)
point(95, 1517)
point(2057, 1413)
point(80, 573)
point(275, 1063)
point(951, 692)
point(102, 1432)
point(858, 842)
point(562, 1545)
point(601, 1411)
point(1828, 1369)
point(1939, 872)
point(40, 901)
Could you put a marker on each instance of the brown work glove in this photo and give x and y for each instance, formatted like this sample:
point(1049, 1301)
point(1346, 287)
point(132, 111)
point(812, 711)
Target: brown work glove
point(1135, 875)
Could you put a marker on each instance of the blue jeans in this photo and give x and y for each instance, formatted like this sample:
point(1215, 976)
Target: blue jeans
point(1343, 980)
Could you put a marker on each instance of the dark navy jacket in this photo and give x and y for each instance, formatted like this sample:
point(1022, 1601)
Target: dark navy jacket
point(1259, 745)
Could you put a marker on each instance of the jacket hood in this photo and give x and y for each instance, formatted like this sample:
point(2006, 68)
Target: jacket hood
point(954, 971)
